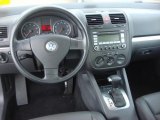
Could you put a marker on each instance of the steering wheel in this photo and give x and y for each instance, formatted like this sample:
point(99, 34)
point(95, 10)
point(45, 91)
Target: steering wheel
point(50, 49)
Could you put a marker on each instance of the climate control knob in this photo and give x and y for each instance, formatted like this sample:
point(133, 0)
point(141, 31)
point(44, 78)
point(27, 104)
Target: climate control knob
point(121, 59)
point(110, 61)
point(99, 61)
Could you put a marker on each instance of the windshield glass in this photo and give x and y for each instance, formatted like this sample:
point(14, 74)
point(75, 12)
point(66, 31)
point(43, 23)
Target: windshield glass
point(33, 2)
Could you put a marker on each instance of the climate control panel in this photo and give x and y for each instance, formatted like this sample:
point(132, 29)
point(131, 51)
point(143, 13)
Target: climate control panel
point(110, 60)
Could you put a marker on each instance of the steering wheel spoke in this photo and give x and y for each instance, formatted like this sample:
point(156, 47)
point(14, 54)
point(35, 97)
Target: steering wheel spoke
point(23, 45)
point(51, 74)
point(77, 44)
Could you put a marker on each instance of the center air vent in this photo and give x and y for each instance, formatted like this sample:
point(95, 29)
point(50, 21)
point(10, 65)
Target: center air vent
point(3, 32)
point(117, 18)
point(94, 19)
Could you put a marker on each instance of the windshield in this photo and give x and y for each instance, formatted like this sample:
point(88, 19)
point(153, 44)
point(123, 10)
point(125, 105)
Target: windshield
point(33, 2)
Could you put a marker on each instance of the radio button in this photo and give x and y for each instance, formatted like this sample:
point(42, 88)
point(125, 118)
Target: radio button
point(94, 32)
point(106, 47)
point(95, 36)
point(109, 47)
point(95, 43)
point(114, 47)
point(122, 40)
point(122, 35)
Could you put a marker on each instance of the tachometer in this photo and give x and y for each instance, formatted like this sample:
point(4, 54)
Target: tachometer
point(30, 29)
point(62, 27)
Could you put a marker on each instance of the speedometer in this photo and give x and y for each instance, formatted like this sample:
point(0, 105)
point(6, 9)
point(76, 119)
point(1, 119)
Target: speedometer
point(62, 27)
point(30, 29)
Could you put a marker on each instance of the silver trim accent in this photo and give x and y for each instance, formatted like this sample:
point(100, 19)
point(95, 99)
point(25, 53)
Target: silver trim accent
point(109, 79)
point(148, 38)
point(110, 102)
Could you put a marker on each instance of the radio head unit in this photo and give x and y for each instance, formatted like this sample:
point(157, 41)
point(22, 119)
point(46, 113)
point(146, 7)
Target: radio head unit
point(105, 40)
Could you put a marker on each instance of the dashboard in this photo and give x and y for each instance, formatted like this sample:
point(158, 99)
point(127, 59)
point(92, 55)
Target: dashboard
point(112, 45)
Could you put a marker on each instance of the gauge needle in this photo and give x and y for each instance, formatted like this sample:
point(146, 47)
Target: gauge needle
point(30, 31)
point(60, 30)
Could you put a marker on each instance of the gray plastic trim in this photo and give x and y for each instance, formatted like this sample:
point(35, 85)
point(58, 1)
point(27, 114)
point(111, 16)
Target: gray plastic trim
point(145, 39)
point(2, 109)
point(21, 90)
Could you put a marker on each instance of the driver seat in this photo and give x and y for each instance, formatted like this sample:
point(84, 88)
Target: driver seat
point(74, 116)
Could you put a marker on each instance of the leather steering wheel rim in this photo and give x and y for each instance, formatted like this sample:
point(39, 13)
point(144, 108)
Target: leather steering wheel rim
point(15, 45)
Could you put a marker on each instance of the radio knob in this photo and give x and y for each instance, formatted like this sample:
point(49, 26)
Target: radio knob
point(110, 61)
point(96, 48)
point(123, 46)
point(121, 59)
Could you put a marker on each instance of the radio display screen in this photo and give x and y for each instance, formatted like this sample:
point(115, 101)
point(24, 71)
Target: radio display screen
point(108, 37)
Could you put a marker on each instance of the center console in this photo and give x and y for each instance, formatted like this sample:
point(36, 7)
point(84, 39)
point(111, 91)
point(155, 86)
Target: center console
point(110, 40)
point(108, 93)
point(104, 86)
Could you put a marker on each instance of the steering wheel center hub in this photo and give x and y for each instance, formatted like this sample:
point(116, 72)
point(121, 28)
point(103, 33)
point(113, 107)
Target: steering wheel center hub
point(51, 46)
point(50, 49)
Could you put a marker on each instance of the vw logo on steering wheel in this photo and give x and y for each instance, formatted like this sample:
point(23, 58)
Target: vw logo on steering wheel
point(51, 46)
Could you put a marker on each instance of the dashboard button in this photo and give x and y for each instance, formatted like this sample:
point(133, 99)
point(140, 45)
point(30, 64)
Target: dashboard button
point(95, 43)
point(95, 36)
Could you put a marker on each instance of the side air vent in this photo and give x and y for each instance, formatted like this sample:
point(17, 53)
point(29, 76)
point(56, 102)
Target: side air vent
point(94, 19)
point(3, 32)
point(117, 18)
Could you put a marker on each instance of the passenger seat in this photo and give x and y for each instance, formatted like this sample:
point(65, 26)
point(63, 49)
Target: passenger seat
point(148, 106)
point(73, 116)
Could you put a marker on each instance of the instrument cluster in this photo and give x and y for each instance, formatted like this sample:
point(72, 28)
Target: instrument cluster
point(46, 25)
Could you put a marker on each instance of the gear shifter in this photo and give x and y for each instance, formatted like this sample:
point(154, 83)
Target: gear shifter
point(115, 92)
point(115, 80)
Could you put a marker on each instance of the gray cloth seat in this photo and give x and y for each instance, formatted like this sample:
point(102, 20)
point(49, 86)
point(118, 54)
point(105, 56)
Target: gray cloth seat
point(148, 106)
point(74, 116)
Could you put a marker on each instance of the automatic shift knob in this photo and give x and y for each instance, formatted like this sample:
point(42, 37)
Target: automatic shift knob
point(115, 80)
